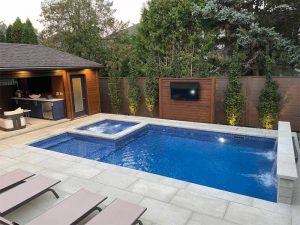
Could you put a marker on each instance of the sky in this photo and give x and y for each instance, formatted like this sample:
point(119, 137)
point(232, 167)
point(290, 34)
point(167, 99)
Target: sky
point(127, 10)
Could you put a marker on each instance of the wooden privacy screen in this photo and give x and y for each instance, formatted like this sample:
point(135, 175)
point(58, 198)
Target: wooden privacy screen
point(202, 110)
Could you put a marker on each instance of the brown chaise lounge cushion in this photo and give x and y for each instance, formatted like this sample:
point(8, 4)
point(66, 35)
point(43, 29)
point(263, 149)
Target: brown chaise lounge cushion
point(118, 213)
point(23, 193)
point(70, 210)
point(13, 178)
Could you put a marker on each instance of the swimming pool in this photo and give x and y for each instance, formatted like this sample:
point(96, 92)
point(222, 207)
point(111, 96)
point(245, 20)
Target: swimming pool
point(240, 164)
point(108, 126)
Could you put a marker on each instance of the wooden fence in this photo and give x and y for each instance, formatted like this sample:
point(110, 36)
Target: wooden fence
point(289, 88)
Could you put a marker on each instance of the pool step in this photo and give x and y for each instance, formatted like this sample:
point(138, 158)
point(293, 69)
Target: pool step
point(55, 142)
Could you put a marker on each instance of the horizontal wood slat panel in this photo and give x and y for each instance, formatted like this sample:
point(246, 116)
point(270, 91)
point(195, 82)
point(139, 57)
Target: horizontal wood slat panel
point(198, 111)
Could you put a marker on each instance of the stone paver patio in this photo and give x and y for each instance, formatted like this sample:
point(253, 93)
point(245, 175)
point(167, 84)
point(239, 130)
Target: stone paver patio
point(169, 201)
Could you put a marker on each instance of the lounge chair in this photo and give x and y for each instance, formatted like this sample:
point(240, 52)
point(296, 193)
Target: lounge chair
point(71, 210)
point(13, 178)
point(6, 222)
point(119, 213)
point(13, 120)
point(23, 193)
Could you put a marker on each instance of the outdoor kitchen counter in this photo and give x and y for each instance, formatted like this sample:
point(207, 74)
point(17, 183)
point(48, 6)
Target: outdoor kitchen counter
point(39, 99)
point(43, 108)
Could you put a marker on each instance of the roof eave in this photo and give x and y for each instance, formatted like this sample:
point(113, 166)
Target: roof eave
point(49, 68)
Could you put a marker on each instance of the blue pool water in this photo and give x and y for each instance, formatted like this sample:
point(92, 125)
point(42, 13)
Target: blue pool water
point(108, 126)
point(240, 164)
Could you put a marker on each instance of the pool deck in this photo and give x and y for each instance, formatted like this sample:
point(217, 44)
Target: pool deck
point(169, 201)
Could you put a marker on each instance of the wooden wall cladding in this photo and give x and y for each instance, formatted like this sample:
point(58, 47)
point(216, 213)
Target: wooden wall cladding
point(93, 94)
point(57, 87)
point(92, 89)
point(202, 110)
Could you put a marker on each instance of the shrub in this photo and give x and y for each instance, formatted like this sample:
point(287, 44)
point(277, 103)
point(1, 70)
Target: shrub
point(151, 91)
point(134, 92)
point(234, 98)
point(114, 86)
point(269, 101)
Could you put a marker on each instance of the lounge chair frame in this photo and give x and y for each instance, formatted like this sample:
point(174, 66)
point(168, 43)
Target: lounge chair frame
point(16, 183)
point(30, 199)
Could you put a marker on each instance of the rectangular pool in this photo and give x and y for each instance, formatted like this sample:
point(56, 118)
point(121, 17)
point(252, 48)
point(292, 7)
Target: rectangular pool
point(108, 126)
point(240, 164)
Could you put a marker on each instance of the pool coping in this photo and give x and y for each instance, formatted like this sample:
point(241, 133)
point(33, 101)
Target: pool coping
point(286, 164)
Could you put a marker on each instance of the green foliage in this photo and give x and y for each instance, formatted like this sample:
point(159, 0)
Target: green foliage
point(114, 86)
point(2, 32)
point(269, 101)
point(151, 91)
point(20, 32)
point(8, 33)
point(283, 15)
point(79, 26)
point(16, 32)
point(170, 31)
point(29, 35)
point(242, 23)
point(134, 92)
point(234, 102)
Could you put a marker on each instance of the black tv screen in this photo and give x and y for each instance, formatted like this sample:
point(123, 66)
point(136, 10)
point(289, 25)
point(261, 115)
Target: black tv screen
point(39, 85)
point(188, 91)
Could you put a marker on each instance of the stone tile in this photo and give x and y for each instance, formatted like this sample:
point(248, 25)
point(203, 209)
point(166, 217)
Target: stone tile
point(163, 213)
point(229, 196)
point(32, 157)
point(149, 176)
point(48, 200)
point(54, 175)
point(122, 170)
point(2, 172)
point(173, 182)
point(200, 219)
point(24, 214)
point(19, 146)
point(13, 152)
point(25, 166)
point(201, 204)
point(82, 171)
point(56, 164)
point(245, 215)
point(6, 162)
point(74, 184)
point(114, 193)
point(279, 208)
point(285, 200)
point(115, 179)
point(72, 158)
point(153, 190)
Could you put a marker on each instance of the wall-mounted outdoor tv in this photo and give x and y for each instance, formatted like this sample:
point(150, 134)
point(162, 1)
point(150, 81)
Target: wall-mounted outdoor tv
point(188, 91)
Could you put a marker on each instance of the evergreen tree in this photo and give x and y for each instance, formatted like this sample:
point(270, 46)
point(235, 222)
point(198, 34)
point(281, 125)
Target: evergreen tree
point(234, 102)
point(134, 92)
point(2, 32)
point(9, 34)
point(16, 32)
point(269, 101)
point(29, 36)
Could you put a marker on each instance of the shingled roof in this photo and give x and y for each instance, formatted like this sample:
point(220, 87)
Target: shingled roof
point(38, 57)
